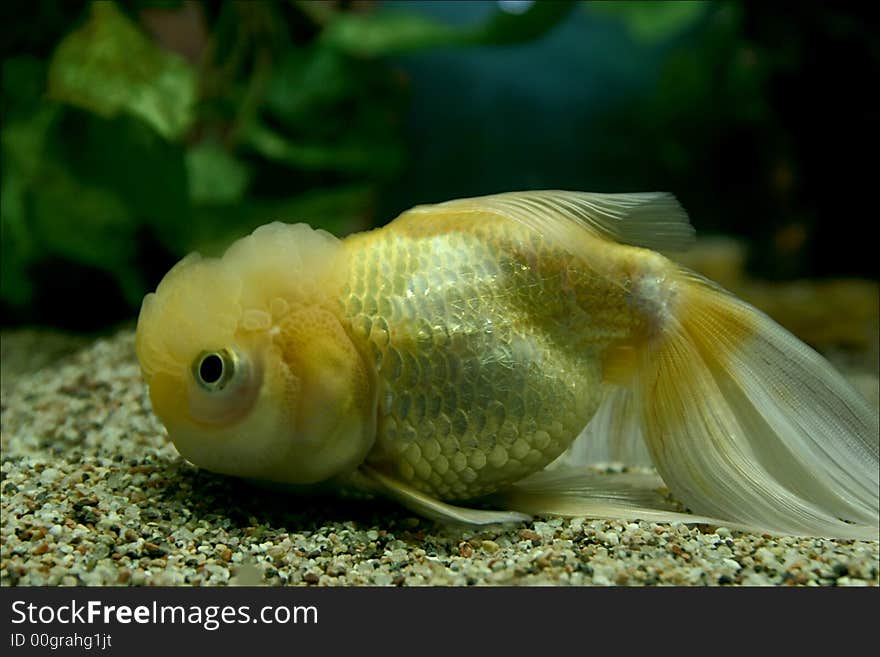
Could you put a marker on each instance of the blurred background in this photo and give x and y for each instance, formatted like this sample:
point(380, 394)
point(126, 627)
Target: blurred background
point(134, 132)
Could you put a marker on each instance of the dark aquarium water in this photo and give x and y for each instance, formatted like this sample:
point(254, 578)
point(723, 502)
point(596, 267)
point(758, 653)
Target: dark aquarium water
point(135, 132)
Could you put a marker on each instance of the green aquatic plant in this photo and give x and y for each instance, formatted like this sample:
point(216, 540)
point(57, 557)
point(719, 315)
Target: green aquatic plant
point(135, 131)
point(136, 128)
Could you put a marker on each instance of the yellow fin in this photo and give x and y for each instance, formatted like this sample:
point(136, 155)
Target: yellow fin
point(430, 507)
point(745, 422)
point(653, 220)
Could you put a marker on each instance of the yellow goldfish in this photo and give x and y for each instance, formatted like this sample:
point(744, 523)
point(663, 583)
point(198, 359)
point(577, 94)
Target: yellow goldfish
point(486, 350)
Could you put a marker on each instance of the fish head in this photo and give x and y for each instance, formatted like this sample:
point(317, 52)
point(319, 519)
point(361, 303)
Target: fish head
point(249, 369)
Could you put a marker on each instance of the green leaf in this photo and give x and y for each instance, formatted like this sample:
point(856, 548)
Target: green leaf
point(215, 176)
point(126, 176)
point(86, 225)
point(386, 33)
point(329, 112)
point(654, 21)
point(24, 82)
point(16, 249)
point(305, 78)
point(23, 152)
point(24, 141)
point(147, 173)
point(394, 32)
point(354, 155)
point(108, 66)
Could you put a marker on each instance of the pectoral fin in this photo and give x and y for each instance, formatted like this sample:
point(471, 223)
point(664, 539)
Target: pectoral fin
point(430, 507)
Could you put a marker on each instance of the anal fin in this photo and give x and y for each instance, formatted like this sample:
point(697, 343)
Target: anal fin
point(578, 491)
point(612, 436)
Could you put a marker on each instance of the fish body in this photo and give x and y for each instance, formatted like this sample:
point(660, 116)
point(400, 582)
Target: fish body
point(460, 351)
point(488, 346)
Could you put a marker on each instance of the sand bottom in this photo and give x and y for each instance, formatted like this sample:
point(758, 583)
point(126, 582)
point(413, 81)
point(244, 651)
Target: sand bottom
point(94, 494)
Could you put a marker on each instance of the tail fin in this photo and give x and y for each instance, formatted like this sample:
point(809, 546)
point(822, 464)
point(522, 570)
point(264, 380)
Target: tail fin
point(745, 422)
point(746, 425)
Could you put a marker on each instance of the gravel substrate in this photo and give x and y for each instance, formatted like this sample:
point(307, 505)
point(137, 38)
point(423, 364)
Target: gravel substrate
point(94, 494)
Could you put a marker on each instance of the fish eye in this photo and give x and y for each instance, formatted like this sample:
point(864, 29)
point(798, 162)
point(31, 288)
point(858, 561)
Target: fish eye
point(214, 369)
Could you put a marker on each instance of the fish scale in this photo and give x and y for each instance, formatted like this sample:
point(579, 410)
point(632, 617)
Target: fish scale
point(475, 391)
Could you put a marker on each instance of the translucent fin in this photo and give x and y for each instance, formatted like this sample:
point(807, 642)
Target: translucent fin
point(614, 435)
point(433, 508)
point(745, 422)
point(574, 491)
point(653, 220)
point(635, 488)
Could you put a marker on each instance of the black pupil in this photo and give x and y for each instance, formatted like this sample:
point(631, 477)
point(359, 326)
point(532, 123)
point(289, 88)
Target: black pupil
point(211, 368)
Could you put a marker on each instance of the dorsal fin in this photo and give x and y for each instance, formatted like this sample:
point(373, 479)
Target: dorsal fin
point(653, 220)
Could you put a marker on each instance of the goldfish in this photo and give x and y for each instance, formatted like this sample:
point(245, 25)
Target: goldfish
point(472, 358)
